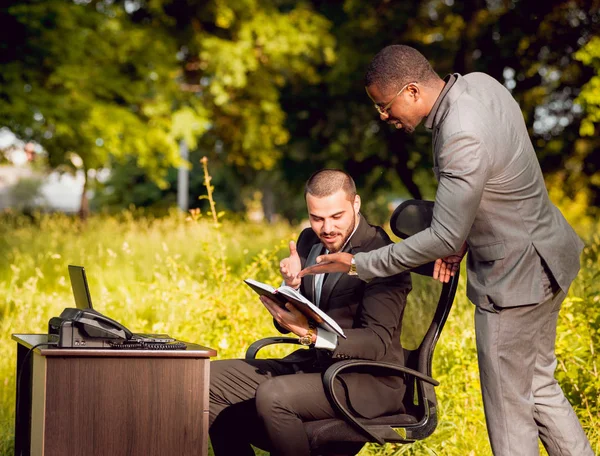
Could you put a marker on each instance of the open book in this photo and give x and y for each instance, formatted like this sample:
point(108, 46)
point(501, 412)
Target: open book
point(284, 294)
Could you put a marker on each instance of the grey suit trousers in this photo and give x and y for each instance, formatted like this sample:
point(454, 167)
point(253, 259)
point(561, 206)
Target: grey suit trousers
point(521, 397)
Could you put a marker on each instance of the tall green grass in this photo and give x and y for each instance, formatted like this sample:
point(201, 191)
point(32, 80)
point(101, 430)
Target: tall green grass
point(184, 277)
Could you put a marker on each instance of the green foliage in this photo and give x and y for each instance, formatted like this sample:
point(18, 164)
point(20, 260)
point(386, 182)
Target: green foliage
point(530, 46)
point(165, 275)
point(116, 82)
point(576, 209)
point(589, 96)
point(129, 186)
point(221, 73)
point(85, 79)
point(277, 86)
point(579, 372)
point(239, 60)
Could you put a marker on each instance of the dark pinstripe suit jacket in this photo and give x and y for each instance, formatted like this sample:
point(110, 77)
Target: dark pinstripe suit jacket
point(370, 315)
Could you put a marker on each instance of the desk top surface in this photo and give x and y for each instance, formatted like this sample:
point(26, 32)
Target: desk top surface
point(31, 340)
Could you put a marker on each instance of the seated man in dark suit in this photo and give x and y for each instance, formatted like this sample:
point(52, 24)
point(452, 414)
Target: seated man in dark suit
point(266, 401)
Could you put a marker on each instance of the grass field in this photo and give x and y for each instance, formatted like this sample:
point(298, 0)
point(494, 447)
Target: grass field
point(184, 277)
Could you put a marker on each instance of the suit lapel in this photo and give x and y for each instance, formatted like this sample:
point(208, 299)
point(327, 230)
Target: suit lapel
point(330, 282)
point(309, 284)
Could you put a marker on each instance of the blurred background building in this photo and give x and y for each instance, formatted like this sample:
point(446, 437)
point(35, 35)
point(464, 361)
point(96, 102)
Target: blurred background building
point(25, 186)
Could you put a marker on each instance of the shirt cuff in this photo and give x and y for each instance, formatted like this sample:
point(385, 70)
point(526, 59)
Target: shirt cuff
point(326, 340)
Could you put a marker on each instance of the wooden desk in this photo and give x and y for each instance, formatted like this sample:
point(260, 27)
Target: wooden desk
point(103, 402)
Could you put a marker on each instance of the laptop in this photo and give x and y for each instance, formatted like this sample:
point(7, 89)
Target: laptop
point(83, 300)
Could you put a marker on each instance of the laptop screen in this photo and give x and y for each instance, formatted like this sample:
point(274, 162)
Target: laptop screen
point(83, 300)
point(81, 292)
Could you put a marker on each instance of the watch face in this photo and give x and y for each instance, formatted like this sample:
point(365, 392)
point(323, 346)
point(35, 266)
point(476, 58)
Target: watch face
point(305, 340)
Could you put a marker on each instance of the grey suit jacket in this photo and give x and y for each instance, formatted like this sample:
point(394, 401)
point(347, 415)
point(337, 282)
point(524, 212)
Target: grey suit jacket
point(491, 193)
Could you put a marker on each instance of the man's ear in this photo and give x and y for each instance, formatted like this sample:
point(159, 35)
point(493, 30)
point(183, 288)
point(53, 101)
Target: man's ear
point(356, 204)
point(414, 92)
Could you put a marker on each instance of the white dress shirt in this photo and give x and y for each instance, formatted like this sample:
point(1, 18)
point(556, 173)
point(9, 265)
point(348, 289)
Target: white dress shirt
point(327, 339)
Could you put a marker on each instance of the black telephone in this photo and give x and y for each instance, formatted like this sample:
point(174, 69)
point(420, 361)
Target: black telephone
point(81, 328)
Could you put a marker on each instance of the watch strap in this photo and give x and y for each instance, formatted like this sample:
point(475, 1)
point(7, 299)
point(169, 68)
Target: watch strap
point(352, 270)
point(307, 338)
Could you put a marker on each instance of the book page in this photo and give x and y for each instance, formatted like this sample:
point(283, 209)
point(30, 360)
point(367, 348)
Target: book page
point(286, 293)
point(311, 310)
point(289, 291)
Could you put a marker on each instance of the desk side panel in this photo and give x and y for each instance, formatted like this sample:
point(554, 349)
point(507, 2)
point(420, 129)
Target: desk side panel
point(126, 406)
point(38, 404)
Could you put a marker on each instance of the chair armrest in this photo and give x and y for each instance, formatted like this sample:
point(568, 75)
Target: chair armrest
point(332, 372)
point(336, 368)
point(261, 343)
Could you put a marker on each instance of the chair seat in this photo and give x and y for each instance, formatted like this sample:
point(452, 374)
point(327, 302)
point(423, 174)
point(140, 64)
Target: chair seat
point(324, 432)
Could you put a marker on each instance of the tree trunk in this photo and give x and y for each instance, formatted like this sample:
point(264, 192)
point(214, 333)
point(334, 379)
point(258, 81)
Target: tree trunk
point(399, 157)
point(84, 208)
point(268, 203)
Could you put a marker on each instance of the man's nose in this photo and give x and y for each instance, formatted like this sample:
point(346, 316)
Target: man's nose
point(384, 115)
point(327, 225)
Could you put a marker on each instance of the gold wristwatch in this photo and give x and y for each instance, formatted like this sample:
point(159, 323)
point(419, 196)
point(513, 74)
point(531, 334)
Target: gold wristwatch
point(352, 270)
point(307, 338)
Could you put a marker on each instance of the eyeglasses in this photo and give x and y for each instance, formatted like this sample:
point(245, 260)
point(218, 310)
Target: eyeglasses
point(384, 110)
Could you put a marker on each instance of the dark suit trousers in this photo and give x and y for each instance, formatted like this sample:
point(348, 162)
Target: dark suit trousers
point(264, 402)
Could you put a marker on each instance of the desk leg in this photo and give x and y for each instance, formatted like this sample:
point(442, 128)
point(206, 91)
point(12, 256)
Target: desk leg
point(23, 402)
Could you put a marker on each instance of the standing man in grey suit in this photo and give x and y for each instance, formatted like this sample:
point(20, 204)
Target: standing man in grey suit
point(523, 255)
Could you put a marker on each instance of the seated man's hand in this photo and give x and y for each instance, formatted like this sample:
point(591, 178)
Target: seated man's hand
point(291, 319)
point(290, 267)
point(334, 262)
point(446, 267)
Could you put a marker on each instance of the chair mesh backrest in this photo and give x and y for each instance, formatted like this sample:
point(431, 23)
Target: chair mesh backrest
point(430, 301)
point(410, 217)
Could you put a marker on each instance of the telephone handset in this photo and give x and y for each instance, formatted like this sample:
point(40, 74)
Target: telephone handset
point(94, 324)
point(86, 328)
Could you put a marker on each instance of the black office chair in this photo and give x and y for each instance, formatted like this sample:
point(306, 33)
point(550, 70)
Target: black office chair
point(346, 434)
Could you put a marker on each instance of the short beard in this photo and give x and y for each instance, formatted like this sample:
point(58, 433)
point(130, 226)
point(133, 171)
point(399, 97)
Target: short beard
point(347, 234)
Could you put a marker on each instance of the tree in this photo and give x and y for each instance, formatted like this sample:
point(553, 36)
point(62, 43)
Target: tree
point(531, 47)
point(83, 79)
point(273, 90)
point(237, 56)
point(587, 149)
point(537, 49)
point(117, 79)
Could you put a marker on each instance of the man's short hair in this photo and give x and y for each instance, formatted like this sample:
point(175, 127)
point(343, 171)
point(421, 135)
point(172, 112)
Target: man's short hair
point(397, 65)
point(328, 181)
